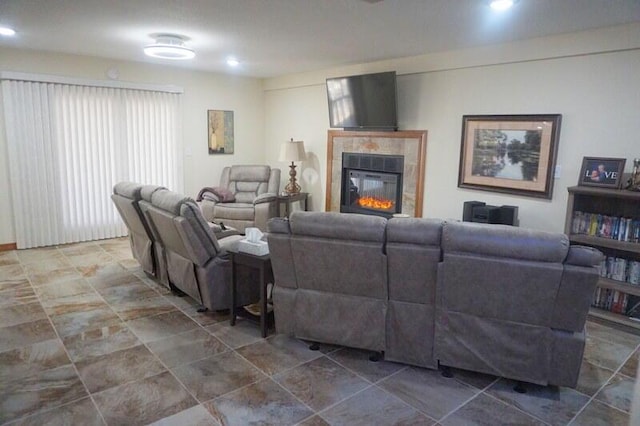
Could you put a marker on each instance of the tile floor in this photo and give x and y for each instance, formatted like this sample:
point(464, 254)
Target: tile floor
point(87, 339)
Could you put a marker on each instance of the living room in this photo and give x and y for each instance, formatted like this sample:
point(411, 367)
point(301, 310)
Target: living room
point(590, 77)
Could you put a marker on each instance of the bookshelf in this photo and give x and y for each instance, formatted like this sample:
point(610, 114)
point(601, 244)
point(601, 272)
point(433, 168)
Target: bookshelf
point(607, 206)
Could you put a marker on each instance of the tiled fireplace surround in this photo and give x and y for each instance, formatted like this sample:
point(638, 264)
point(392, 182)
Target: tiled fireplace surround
point(410, 144)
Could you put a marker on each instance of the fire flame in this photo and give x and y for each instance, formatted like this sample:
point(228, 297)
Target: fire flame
point(375, 203)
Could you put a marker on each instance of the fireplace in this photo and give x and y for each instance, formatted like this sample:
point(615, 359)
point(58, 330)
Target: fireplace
point(371, 184)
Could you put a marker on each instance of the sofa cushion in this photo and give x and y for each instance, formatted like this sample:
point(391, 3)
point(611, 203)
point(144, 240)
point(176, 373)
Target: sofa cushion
point(235, 211)
point(338, 226)
point(504, 241)
point(169, 201)
point(250, 173)
point(128, 189)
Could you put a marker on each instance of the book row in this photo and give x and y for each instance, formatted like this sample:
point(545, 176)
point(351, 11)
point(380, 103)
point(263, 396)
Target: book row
point(598, 225)
point(612, 301)
point(619, 269)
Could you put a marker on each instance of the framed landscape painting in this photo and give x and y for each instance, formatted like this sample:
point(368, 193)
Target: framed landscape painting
point(220, 131)
point(514, 154)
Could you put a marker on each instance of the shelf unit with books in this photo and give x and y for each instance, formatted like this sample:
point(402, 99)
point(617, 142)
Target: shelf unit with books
point(609, 220)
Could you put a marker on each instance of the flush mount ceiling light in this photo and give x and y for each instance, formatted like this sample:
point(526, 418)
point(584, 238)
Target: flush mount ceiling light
point(168, 46)
point(6, 31)
point(232, 62)
point(501, 4)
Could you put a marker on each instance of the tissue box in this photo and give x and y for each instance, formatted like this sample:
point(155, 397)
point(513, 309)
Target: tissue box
point(259, 248)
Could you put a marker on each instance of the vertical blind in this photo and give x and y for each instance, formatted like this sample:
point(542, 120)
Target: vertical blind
point(69, 144)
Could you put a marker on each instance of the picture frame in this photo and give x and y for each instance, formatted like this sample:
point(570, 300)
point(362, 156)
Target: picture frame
point(602, 171)
point(512, 154)
point(220, 132)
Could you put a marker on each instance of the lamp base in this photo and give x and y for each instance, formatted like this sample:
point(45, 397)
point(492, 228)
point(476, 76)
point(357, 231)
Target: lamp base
point(292, 187)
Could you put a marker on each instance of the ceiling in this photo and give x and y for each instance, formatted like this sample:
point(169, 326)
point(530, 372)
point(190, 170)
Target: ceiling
point(278, 37)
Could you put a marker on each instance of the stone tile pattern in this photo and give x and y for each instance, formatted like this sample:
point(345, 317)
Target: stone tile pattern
point(387, 145)
point(86, 338)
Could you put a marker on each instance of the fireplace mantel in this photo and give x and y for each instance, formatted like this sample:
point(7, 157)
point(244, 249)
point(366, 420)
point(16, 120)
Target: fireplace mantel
point(412, 144)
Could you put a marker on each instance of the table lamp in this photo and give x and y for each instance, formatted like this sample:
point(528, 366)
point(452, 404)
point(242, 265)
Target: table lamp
point(292, 151)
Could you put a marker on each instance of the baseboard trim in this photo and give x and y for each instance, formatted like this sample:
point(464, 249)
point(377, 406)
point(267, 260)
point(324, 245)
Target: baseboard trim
point(8, 247)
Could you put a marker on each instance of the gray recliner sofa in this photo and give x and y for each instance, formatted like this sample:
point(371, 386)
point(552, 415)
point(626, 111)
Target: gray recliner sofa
point(127, 197)
point(197, 262)
point(254, 191)
point(489, 298)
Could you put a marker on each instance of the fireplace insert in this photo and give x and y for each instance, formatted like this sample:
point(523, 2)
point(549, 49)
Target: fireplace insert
point(371, 184)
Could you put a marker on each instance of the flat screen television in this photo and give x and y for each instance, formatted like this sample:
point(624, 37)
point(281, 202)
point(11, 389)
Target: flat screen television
point(363, 102)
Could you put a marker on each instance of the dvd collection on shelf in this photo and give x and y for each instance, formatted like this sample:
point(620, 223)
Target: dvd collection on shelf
point(615, 301)
point(620, 269)
point(598, 225)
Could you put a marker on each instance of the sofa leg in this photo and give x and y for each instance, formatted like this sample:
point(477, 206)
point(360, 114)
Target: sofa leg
point(202, 309)
point(314, 347)
point(375, 357)
point(446, 372)
point(519, 387)
point(175, 290)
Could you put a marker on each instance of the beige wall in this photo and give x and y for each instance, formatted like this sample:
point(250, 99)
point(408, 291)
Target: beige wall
point(590, 78)
point(202, 91)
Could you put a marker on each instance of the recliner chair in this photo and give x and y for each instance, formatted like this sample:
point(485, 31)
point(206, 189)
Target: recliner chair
point(254, 191)
point(197, 262)
point(127, 197)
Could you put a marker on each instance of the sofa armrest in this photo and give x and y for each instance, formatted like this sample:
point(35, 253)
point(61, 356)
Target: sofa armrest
point(267, 197)
point(278, 225)
point(210, 196)
point(584, 256)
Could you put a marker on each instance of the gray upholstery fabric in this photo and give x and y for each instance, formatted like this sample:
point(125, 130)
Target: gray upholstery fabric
point(494, 299)
point(345, 320)
point(127, 198)
point(566, 357)
point(338, 226)
point(504, 240)
point(161, 272)
point(197, 262)
point(502, 296)
point(128, 189)
point(341, 283)
point(255, 189)
point(584, 256)
point(507, 349)
point(279, 239)
point(413, 256)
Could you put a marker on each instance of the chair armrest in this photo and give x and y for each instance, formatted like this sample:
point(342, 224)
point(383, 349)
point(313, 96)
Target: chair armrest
point(210, 196)
point(267, 197)
point(584, 256)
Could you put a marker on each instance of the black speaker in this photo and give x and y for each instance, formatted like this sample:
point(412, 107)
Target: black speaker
point(467, 209)
point(486, 214)
point(509, 215)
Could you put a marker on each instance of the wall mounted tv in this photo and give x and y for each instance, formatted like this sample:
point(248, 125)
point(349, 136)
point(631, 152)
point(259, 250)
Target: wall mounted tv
point(363, 102)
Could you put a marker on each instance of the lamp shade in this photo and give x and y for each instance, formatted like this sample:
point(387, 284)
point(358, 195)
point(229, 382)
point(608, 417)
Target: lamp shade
point(292, 151)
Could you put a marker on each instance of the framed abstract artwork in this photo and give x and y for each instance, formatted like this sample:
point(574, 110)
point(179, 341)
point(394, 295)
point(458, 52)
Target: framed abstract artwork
point(220, 131)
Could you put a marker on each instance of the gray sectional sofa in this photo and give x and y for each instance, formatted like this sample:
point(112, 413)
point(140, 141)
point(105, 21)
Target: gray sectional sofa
point(174, 243)
point(494, 299)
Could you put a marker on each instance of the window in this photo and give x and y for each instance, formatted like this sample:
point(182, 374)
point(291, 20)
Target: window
point(70, 143)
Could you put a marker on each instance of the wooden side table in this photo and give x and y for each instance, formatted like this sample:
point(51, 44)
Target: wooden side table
point(288, 199)
point(263, 265)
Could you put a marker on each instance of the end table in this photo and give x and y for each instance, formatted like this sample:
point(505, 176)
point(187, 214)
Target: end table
point(287, 199)
point(263, 265)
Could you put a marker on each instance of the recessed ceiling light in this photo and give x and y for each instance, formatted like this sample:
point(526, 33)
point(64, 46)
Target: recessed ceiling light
point(168, 46)
point(6, 31)
point(501, 4)
point(232, 62)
